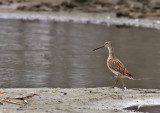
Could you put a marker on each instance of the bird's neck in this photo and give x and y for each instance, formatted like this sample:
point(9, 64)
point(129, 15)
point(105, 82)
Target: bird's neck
point(111, 52)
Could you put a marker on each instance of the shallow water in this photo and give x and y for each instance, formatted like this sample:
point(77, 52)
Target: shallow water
point(55, 54)
point(145, 109)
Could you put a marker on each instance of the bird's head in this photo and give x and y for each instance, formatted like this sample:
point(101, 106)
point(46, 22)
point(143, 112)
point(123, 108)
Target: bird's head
point(106, 44)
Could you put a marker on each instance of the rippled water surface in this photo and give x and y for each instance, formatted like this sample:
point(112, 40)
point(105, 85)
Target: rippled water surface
point(53, 54)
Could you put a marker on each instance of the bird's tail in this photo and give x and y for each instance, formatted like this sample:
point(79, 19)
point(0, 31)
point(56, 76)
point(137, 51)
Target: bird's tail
point(130, 76)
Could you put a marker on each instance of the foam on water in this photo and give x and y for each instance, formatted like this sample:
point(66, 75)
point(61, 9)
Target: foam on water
point(81, 18)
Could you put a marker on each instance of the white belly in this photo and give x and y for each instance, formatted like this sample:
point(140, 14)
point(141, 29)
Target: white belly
point(115, 72)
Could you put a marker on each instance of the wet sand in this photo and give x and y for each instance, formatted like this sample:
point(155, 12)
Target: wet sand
point(86, 100)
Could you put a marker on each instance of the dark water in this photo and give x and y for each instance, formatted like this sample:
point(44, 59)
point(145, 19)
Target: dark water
point(53, 54)
point(145, 109)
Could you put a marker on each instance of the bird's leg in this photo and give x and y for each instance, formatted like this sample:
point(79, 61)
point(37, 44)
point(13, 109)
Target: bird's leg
point(115, 82)
point(124, 86)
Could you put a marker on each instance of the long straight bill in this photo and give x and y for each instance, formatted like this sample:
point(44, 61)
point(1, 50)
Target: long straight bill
point(98, 48)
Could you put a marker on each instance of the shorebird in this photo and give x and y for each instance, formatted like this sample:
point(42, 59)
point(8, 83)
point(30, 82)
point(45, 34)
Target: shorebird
point(115, 65)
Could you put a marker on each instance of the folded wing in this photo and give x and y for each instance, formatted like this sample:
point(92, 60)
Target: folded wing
point(117, 66)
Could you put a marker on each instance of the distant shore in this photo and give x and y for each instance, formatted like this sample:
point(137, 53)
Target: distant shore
point(39, 10)
point(143, 9)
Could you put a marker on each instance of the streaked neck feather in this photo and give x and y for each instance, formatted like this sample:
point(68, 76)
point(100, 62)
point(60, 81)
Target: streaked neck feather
point(111, 52)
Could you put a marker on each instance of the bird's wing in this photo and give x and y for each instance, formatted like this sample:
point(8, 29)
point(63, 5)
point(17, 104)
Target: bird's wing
point(116, 65)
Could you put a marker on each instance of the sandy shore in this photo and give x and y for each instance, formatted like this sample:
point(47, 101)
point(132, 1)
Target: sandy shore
point(79, 100)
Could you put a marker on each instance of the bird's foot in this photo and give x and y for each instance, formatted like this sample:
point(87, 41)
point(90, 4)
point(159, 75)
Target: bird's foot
point(125, 88)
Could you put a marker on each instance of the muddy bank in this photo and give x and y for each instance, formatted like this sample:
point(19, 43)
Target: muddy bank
point(86, 100)
point(118, 8)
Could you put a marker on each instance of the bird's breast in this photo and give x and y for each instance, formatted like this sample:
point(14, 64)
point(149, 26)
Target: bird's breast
point(115, 72)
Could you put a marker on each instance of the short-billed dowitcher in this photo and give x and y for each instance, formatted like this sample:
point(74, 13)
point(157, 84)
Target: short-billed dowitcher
point(115, 65)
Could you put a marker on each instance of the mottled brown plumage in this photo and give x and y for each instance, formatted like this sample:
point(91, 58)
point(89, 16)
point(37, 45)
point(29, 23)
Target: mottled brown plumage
point(116, 65)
